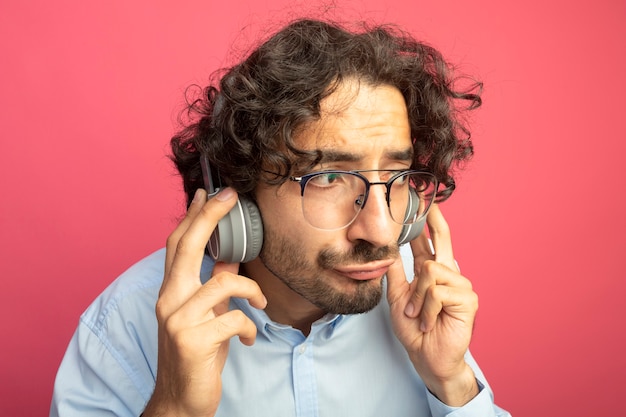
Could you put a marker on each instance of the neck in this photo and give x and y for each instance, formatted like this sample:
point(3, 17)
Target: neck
point(283, 304)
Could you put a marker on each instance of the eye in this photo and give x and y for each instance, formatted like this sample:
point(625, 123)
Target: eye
point(401, 180)
point(326, 179)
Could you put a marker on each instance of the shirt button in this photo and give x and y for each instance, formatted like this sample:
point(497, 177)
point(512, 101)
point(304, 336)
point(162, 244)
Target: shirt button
point(301, 349)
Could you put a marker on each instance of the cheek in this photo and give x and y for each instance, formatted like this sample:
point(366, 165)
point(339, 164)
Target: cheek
point(279, 213)
point(283, 219)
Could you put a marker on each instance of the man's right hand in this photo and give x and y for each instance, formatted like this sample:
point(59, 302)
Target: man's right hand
point(195, 324)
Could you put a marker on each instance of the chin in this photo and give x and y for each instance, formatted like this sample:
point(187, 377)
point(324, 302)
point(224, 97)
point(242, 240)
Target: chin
point(362, 298)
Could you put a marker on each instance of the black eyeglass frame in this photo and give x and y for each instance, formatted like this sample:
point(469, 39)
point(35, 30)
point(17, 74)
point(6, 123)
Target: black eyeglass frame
point(304, 179)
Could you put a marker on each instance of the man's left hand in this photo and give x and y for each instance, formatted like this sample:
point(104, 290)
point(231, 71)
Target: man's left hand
point(433, 316)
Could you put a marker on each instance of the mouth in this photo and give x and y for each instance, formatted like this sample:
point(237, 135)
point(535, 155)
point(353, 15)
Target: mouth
point(364, 272)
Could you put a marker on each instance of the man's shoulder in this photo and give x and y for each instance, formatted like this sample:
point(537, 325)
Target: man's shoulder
point(132, 294)
point(112, 356)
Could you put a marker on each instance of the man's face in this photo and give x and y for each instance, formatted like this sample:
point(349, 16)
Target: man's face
point(340, 271)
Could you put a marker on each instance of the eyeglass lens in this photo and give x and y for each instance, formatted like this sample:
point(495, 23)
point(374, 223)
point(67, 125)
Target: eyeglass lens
point(332, 200)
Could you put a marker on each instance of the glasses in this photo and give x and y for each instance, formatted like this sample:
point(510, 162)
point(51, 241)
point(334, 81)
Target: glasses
point(333, 199)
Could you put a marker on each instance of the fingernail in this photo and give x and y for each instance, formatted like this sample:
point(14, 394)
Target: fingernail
point(197, 196)
point(423, 327)
point(225, 194)
point(409, 310)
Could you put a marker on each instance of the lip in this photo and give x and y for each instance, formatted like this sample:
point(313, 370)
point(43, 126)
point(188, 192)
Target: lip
point(363, 272)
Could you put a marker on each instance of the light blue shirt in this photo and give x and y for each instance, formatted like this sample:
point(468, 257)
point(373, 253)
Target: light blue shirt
point(348, 366)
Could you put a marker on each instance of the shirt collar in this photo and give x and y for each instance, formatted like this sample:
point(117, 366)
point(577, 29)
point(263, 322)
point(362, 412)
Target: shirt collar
point(322, 328)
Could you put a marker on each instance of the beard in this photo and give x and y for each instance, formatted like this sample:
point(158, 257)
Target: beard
point(317, 282)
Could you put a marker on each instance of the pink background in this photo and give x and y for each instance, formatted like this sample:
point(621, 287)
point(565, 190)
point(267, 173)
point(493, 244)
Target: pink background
point(89, 93)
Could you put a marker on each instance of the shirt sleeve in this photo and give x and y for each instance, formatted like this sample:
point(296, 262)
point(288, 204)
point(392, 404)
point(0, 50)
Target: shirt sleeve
point(110, 364)
point(109, 368)
point(92, 382)
point(482, 405)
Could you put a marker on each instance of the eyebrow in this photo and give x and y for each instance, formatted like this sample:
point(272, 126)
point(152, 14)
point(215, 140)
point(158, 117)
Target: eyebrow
point(329, 155)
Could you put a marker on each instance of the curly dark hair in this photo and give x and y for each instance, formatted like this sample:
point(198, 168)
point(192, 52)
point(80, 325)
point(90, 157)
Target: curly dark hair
point(247, 124)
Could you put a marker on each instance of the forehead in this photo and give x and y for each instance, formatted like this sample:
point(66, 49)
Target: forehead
point(359, 117)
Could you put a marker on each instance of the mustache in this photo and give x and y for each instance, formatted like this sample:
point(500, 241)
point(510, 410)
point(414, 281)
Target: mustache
point(362, 252)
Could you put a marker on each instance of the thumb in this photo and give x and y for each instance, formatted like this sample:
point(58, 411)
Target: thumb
point(224, 267)
point(398, 288)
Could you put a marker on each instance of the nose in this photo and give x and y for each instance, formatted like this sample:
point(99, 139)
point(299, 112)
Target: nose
point(373, 223)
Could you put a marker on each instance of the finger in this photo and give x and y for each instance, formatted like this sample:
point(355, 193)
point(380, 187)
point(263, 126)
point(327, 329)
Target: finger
point(457, 302)
point(225, 285)
point(186, 263)
point(194, 208)
point(433, 274)
point(214, 332)
point(224, 267)
point(422, 250)
point(235, 323)
point(230, 324)
point(400, 293)
point(421, 283)
point(441, 239)
point(397, 284)
point(212, 299)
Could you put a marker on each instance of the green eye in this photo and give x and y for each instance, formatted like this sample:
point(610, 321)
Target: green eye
point(326, 179)
point(332, 177)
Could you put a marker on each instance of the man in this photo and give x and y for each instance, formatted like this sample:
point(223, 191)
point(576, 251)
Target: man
point(339, 140)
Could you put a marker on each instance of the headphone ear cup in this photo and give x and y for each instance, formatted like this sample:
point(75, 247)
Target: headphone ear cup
point(413, 230)
point(238, 236)
point(254, 229)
